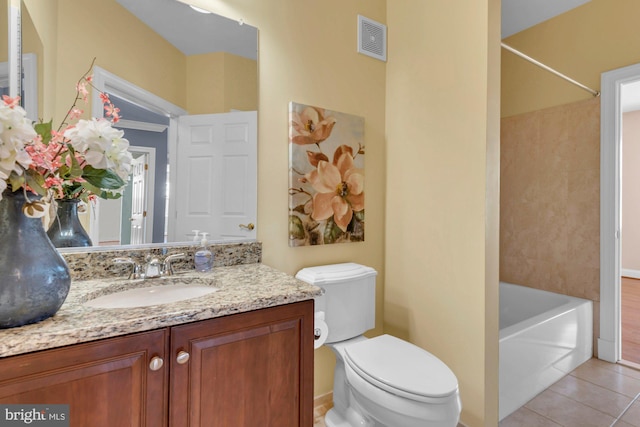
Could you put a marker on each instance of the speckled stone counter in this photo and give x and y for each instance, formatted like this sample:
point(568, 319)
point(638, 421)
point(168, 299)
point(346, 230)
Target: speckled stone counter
point(241, 288)
point(99, 263)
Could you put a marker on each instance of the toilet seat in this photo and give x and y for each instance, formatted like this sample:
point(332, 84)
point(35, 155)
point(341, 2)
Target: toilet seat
point(401, 368)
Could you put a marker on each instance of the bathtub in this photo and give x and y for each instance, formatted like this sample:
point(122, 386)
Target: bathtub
point(543, 337)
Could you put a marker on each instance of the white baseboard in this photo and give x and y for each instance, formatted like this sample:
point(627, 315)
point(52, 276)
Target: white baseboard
point(633, 274)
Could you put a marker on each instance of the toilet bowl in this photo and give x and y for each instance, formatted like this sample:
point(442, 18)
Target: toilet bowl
point(381, 381)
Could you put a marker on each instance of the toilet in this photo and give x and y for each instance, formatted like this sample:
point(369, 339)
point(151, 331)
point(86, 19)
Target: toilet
point(381, 381)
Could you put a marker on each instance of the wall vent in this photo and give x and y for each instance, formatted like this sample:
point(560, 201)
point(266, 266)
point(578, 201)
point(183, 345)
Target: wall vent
point(372, 38)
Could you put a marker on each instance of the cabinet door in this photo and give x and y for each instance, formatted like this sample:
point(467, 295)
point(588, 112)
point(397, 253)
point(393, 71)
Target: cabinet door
point(105, 383)
point(250, 369)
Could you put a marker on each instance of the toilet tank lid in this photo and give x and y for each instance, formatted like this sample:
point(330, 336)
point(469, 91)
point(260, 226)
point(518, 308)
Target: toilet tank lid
point(334, 273)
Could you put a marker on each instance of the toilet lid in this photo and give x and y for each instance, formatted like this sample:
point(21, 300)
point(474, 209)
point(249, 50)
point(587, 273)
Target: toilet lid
point(396, 365)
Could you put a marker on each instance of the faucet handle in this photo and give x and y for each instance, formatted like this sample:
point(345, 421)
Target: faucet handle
point(167, 267)
point(134, 267)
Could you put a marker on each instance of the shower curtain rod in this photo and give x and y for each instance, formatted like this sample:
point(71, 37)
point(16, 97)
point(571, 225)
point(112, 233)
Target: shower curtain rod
point(551, 70)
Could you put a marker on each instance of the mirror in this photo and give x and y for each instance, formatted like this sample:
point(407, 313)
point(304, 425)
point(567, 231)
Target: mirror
point(161, 61)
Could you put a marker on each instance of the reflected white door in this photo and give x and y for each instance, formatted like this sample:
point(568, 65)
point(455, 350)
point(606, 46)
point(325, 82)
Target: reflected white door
point(216, 176)
point(138, 200)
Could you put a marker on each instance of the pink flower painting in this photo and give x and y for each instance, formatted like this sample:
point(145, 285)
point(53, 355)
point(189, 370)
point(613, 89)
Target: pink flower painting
point(326, 176)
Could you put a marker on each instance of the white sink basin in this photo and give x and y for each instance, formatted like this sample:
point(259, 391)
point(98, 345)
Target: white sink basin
point(150, 295)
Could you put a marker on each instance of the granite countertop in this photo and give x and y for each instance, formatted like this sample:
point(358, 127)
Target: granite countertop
point(240, 288)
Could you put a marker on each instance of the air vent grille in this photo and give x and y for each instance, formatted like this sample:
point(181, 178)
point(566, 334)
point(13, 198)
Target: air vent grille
point(372, 38)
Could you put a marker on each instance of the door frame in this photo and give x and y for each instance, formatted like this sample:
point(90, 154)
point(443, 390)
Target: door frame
point(612, 83)
point(105, 81)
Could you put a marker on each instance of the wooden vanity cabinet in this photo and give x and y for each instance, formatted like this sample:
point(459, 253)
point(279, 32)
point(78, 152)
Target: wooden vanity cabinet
point(105, 383)
point(243, 370)
point(249, 369)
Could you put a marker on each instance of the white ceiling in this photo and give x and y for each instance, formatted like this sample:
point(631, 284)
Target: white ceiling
point(193, 32)
point(518, 15)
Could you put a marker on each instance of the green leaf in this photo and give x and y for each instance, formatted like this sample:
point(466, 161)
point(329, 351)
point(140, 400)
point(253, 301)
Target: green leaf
point(359, 215)
point(331, 232)
point(16, 181)
point(44, 130)
point(102, 178)
point(35, 181)
point(296, 229)
point(103, 194)
point(66, 172)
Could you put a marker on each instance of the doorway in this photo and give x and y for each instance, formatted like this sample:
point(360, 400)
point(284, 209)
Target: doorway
point(148, 121)
point(617, 306)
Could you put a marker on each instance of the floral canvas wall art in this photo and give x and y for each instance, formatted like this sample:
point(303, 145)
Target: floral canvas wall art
point(326, 176)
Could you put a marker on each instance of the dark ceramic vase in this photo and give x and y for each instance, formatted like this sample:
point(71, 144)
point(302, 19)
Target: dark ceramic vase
point(66, 231)
point(34, 278)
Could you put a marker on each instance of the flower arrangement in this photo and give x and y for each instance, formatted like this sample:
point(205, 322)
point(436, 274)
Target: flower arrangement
point(82, 159)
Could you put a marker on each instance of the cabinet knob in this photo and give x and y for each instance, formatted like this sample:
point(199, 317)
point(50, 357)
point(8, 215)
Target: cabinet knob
point(156, 363)
point(182, 357)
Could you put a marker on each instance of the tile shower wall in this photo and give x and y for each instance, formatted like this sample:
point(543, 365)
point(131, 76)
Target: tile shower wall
point(550, 200)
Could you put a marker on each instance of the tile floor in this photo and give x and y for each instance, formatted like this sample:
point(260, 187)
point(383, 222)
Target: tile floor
point(596, 394)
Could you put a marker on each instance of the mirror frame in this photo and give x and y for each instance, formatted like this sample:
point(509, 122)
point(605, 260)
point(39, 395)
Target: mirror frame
point(14, 17)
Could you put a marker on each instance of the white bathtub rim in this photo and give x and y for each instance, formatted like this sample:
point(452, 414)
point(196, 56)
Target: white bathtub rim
point(540, 319)
point(545, 316)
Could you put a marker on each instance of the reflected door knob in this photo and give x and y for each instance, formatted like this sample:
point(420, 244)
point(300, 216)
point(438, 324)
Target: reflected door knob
point(182, 357)
point(249, 226)
point(156, 363)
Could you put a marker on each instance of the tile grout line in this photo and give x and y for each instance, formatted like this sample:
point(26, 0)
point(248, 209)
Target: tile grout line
point(625, 410)
point(593, 407)
point(544, 416)
point(592, 382)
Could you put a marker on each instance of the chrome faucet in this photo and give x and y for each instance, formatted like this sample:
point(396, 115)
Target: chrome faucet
point(152, 268)
point(167, 266)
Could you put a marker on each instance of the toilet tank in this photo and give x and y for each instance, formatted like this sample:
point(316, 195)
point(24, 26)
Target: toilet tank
point(349, 300)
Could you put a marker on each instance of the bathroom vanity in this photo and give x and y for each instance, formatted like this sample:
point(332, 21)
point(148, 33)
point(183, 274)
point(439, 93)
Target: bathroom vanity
point(241, 356)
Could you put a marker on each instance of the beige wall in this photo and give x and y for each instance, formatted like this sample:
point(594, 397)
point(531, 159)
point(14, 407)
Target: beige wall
point(241, 83)
point(220, 82)
point(131, 51)
point(599, 36)
point(44, 16)
point(441, 240)
point(630, 195)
